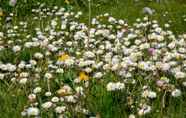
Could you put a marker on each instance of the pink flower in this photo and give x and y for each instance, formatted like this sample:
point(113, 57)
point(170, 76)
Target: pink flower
point(160, 83)
point(151, 51)
point(12, 2)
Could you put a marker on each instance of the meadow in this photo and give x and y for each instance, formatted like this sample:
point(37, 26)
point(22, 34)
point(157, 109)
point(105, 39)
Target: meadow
point(92, 59)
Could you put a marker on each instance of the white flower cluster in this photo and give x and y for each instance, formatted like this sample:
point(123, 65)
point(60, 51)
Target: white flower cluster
point(115, 86)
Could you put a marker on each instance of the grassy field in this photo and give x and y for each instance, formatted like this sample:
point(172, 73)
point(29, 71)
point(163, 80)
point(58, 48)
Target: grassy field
point(99, 102)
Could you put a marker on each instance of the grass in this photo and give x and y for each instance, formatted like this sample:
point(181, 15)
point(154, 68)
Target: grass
point(108, 105)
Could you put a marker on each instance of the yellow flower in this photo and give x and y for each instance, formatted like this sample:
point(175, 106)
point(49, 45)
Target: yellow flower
point(1, 13)
point(83, 76)
point(64, 91)
point(63, 57)
point(67, 2)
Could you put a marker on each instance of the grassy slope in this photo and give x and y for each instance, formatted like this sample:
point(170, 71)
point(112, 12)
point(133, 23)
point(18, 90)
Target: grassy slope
point(12, 98)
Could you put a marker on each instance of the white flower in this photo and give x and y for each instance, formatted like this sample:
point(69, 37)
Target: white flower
point(144, 110)
point(179, 74)
point(37, 90)
point(112, 20)
point(55, 99)
point(13, 79)
point(59, 70)
point(23, 81)
point(21, 65)
point(23, 74)
point(148, 11)
point(28, 44)
point(115, 86)
point(33, 111)
point(144, 46)
point(176, 93)
point(98, 75)
point(152, 94)
point(60, 109)
point(48, 94)
point(11, 67)
point(47, 105)
point(69, 43)
point(172, 45)
point(132, 116)
point(120, 86)
point(167, 25)
point(89, 54)
point(32, 97)
point(2, 76)
point(184, 83)
point(88, 69)
point(70, 99)
point(53, 23)
point(12, 2)
point(48, 75)
point(165, 67)
point(79, 90)
point(16, 48)
point(33, 62)
point(38, 55)
point(23, 113)
point(69, 62)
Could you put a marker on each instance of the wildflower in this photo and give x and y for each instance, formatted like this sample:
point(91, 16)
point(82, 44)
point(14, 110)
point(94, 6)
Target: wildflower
point(33, 62)
point(16, 48)
point(55, 99)
point(152, 94)
point(64, 91)
point(38, 55)
point(151, 51)
point(59, 70)
point(83, 76)
point(48, 94)
point(12, 2)
point(184, 83)
point(11, 68)
point(179, 74)
point(132, 116)
point(23, 81)
point(98, 75)
point(144, 110)
point(79, 90)
point(176, 93)
point(70, 99)
point(63, 57)
point(60, 109)
point(1, 12)
point(147, 10)
point(89, 54)
point(48, 75)
point(32, 97)
point(69, 62)
point(33, 111)
point(115, 86)
point(47, 105)
point(37, 90)
point(2, 76)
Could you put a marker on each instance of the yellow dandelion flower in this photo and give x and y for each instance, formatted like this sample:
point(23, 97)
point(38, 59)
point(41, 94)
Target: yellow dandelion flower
point(83, 76)
point(63, 57)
